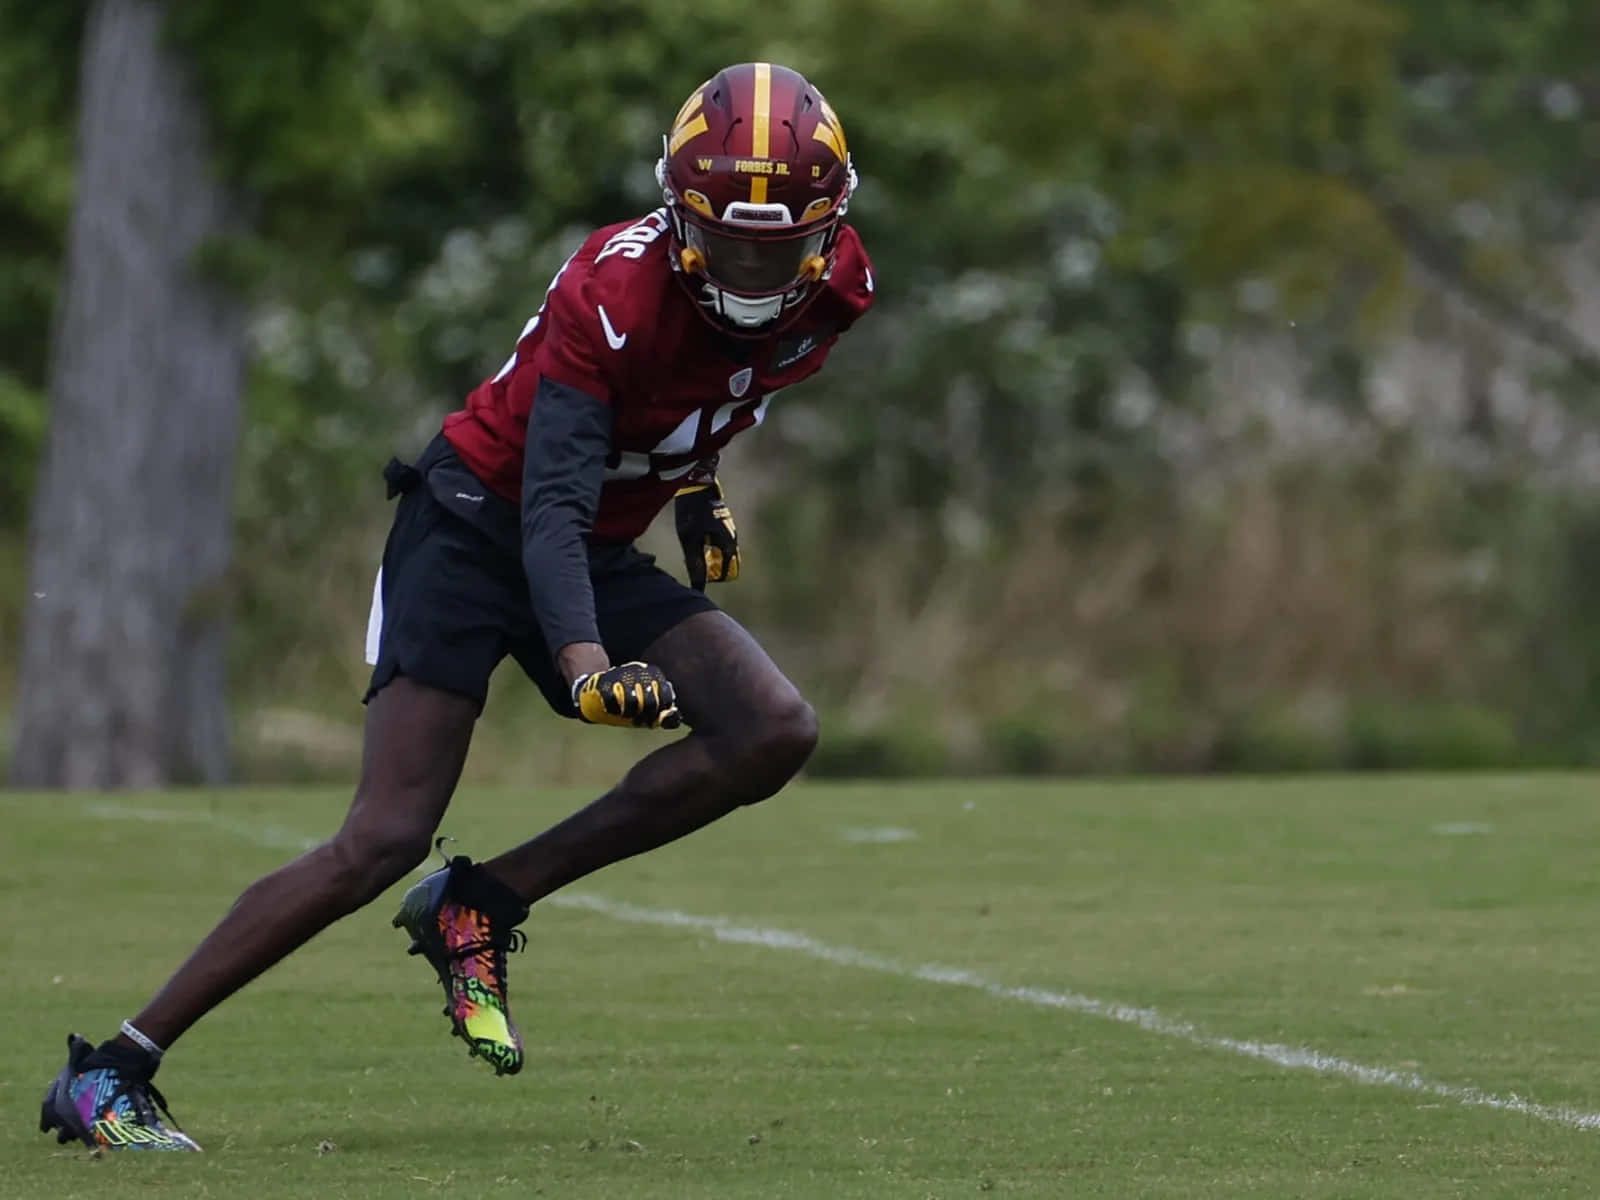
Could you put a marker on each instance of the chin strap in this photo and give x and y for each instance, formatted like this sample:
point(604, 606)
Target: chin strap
point(725, 304)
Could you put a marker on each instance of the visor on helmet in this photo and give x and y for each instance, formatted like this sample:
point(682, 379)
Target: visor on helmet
point(752, 266)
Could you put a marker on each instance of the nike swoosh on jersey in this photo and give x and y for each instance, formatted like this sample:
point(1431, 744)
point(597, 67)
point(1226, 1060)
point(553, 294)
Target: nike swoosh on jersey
point(613, 339)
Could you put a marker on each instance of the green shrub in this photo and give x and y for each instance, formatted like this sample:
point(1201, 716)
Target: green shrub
point(1391, 735)
point(882, 752)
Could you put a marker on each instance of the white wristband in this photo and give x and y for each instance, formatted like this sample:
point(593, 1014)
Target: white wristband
point(139, 1039)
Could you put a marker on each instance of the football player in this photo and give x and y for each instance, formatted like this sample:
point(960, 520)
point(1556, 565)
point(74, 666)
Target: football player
point(659, 341)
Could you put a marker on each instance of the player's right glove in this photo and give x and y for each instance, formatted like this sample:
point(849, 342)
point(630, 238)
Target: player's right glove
point(632, 694)
point(706, 531)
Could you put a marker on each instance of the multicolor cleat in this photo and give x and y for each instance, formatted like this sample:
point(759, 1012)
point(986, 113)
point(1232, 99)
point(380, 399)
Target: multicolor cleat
point(108, 1104)
point(462, 921)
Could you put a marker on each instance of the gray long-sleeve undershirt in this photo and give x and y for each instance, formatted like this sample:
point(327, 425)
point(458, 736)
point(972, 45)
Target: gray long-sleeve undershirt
point(563, 468)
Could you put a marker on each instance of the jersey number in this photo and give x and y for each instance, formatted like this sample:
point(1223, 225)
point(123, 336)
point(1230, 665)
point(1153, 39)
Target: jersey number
point(698, 436)
point(633, 241)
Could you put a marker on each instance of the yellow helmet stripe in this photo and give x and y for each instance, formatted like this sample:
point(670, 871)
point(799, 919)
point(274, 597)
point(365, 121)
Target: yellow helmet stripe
point(761, 129)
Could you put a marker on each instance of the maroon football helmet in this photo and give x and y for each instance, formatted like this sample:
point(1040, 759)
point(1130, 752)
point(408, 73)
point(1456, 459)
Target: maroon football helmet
point(756, 176)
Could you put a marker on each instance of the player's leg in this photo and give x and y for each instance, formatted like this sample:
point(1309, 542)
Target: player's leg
point(416, 741)
point(751, 733)
point(434, 644)
point(439, 638)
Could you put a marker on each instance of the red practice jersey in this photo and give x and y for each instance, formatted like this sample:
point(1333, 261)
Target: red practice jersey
point(619, 326)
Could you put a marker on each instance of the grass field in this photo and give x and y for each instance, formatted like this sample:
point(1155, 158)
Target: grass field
point(911, 993)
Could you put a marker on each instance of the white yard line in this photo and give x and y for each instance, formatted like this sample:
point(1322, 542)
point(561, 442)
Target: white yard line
point(723, 929)
point(877, 835)
point(1301, 1058)
point(270, 836)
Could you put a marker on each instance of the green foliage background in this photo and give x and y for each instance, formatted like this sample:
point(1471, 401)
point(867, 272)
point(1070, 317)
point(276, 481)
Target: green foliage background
point(1125, 471)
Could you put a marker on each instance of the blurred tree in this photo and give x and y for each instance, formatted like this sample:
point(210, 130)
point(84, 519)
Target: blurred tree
point(124, 650)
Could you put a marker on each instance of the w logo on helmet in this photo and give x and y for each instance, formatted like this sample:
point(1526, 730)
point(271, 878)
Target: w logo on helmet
point(830, 133)
point(689, 124)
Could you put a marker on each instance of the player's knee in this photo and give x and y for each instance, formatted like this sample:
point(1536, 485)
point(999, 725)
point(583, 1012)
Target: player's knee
point(368, 859)
point(778, 747)
point(789, 736)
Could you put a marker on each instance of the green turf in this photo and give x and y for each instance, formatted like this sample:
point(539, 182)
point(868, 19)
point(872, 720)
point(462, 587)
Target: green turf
point(1339, 914)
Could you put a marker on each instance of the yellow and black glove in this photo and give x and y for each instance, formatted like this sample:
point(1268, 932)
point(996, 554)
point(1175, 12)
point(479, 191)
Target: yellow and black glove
point(708, 535)
point(632, 694)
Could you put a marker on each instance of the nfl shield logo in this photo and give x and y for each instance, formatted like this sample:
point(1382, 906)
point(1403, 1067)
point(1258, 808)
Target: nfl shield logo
point(739, 382)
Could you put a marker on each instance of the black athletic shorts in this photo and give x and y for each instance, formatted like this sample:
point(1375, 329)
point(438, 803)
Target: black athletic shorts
point(451, 599)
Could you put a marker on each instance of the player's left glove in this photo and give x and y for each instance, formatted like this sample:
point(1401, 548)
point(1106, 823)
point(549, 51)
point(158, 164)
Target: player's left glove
point(632, 693)
point(706, 530)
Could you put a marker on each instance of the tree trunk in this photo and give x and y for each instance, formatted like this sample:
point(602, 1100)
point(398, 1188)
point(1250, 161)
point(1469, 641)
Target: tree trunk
point(123, 642)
